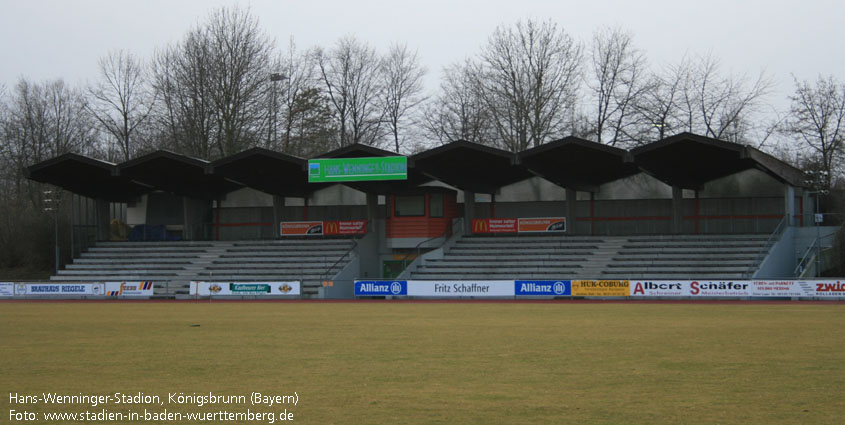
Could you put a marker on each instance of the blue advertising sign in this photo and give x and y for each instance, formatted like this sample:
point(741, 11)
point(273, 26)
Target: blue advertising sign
point(380, 287)
point(543, 287)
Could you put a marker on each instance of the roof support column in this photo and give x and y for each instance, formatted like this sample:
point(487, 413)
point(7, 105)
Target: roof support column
point(278, 205)
point(677, 209)
point(372, 208)
point(789, 204)
point(571, 197)
point(469, 211)
point(808, 209)
point(101, 215)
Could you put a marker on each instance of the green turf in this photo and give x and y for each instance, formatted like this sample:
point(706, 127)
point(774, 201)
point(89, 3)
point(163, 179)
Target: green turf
point(388, 363)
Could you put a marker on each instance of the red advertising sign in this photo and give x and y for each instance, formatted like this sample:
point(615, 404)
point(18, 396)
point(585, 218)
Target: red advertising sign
point(301, 228)
point(548, 224)
point(317, 228)
point(515, 225)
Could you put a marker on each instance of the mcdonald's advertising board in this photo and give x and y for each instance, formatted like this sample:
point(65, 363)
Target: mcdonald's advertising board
point(494, 225)
point(345, 227)
point(318, 228)
point(519, 225)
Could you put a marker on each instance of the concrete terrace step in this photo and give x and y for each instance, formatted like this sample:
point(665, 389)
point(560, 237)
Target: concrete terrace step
point(131, 266)
point(696, 263)
point(486, 262)
point(282, 254)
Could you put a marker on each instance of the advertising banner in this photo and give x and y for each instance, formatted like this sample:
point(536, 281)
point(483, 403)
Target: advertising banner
point(301, 228)
point(601, 288)
point(129, 289)
point(659, 288)
point(7, 289)
point(245, 288)
point(380, 287)
point(494, 225)
point(542, 225)
point(711, 288)
point(823, 288)
point(542, 287)
point(461, 288)
point(345, 227)
point(332, 170)
point(519, 225)
point(694, 288)
point(777, 288)
point(30, 289)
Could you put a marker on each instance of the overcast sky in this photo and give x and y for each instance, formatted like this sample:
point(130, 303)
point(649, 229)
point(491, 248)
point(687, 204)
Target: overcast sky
point(49, 39)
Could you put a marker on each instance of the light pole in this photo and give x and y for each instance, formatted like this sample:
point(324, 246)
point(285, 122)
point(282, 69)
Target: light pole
point(275, 78)
point(53, 206)
point(817, 179)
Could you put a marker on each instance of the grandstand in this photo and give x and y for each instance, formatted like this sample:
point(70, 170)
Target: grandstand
point(686, 207)
point(174, 264)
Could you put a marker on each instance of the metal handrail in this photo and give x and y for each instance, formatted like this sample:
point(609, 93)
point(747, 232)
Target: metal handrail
point(770, 242)
point(418, 249)
point(345, 254)
point(799, 269)
point(808, 254)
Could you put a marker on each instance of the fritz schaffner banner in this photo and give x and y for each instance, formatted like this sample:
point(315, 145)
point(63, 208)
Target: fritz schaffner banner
point(462, 288)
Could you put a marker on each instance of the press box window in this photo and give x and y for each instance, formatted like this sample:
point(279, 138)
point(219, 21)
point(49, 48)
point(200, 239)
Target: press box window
point(410, 206)
point(436, 205)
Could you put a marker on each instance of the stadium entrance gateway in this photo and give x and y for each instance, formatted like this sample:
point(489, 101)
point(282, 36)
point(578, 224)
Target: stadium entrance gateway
point(400, 207)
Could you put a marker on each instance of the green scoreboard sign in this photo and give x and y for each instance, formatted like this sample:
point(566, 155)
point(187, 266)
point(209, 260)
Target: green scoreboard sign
point(331, 170)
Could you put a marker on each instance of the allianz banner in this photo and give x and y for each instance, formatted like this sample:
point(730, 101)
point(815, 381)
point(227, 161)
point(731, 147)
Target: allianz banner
point(463, 288)
point(364, 288)
point(207, 289)
point(542, 287)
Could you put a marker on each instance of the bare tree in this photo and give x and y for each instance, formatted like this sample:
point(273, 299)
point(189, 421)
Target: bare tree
point(43, 121)
point(528, 76)
point(241, 54)
point(212, 86)
point(817, 117)
point(403, 86)
point(659, 105)
point(721, 106)
point(185, 113)
point(458, 112)
point(303, 116)
point(121, 100)
point(351, 76)
point(618, 81)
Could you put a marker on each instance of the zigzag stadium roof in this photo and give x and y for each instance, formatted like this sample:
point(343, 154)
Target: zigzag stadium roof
point(688, 160)
point(685, 160)
point(579, 164)
point(85, 176)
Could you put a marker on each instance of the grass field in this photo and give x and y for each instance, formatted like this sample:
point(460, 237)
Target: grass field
point(441, 363)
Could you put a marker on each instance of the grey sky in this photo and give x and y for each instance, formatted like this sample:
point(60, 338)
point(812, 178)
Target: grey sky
point(41, 39)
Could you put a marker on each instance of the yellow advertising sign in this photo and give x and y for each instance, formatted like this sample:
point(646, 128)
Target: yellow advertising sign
point(601, 288)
